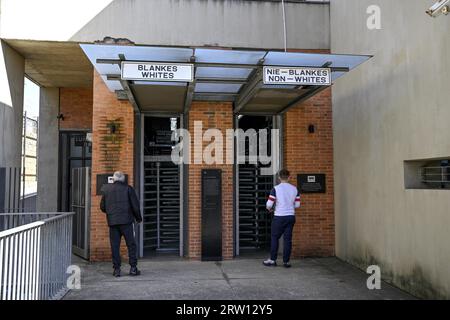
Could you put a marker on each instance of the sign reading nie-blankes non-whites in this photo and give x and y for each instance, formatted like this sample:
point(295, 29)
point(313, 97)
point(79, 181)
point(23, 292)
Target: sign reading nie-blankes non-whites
point(153, 71)
point(297, 76)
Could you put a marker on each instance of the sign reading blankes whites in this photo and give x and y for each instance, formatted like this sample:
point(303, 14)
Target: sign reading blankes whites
point(297, 76)
point(153, 71)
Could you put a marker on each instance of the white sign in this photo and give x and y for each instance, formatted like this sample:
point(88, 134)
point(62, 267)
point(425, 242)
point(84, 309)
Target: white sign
point(311, 179)
point(297, 76)
point(152, 71)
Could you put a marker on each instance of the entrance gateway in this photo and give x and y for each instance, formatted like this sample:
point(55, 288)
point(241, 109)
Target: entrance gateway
point(162, 83)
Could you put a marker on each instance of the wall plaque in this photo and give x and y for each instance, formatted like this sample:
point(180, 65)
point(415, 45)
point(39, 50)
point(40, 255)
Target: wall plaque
point(311, 183)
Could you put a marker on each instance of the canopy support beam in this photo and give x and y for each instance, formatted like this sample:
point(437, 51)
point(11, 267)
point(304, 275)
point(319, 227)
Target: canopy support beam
point(314, 90)
point(126, 87)
point(255, 83)
point(249, 91)
point(190, 91)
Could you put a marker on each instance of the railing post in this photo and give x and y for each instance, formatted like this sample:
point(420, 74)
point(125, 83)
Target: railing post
point(1, 267)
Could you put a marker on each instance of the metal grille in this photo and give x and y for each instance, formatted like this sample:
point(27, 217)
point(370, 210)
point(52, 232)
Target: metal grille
point(254, 220)
point(161, 206)
point(10, 190)
point(439, 175)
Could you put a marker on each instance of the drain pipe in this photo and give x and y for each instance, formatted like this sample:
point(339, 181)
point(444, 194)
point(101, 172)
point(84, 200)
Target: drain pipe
point(284, 25)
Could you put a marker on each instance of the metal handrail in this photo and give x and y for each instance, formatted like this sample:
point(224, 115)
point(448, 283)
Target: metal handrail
point(15, 219)
point(29, 213)
point(34, 258)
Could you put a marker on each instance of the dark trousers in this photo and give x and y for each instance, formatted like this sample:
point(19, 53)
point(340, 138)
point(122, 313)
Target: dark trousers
point(282, 226)
point(115, 237)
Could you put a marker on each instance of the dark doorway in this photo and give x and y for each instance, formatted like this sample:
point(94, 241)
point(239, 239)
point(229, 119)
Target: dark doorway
point(75, 152)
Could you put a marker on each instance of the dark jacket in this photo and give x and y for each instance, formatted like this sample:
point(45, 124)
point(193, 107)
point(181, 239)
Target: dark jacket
point(120, 203)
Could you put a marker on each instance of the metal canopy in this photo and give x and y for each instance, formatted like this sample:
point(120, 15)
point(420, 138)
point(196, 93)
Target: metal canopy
point(220, 75)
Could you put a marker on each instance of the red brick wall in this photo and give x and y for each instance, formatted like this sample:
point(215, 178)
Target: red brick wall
point(110, 153)
point(213, 116)
point(312, 153)
point(76, 106)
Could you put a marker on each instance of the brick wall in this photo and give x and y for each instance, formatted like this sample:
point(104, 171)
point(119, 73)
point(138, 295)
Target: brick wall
point(76, 106)
point(312, 153)
point(110, 152)
point(216, 116)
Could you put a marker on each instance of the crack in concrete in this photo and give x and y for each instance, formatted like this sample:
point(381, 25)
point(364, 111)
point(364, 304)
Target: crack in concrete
point(226, 278)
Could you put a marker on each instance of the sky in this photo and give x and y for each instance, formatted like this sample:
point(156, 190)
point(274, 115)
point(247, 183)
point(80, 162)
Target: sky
point(31, 99)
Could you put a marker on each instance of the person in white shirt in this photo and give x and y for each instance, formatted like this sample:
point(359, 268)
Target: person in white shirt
point(285, 198)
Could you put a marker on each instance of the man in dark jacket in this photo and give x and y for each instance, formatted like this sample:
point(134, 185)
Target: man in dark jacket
point(121, 205)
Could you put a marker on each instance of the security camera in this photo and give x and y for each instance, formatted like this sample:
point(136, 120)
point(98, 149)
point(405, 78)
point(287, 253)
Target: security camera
point(440, 7)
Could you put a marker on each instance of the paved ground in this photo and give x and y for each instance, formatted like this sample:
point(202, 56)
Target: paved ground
point(230, 280)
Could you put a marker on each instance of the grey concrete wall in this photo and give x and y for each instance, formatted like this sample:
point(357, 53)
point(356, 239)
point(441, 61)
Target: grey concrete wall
point(393, 108)
point(12, 67)
point(47, 199)
point(226, 23)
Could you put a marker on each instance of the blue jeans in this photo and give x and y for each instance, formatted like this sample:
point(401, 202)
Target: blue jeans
point(282, 226)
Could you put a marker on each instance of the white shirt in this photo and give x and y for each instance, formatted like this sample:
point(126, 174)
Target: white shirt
point(286, 198)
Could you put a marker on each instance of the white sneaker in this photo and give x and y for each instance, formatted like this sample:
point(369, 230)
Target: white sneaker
point(270, 263)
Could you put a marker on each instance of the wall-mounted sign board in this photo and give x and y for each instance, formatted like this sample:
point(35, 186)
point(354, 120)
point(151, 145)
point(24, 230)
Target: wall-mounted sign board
point(311, 183)
point(160, 72)
point(297, 76)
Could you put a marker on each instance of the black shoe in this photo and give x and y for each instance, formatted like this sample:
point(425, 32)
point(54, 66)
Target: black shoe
point(270, 263)
point(116, 272)
point(287, 265)
point(134, 271)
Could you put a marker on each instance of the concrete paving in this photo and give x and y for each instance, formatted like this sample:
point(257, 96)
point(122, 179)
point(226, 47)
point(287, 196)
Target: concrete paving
point(170, 279)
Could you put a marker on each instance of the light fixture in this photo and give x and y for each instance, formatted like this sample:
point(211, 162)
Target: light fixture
point(440, 7)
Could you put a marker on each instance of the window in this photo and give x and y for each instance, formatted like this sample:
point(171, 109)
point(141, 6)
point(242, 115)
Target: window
point(427, 174)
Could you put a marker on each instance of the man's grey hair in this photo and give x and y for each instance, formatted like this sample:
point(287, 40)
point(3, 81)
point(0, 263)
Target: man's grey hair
point(119, 176)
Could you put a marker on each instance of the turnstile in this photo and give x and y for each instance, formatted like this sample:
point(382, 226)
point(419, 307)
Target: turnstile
point(161, 225)
point(254, 220)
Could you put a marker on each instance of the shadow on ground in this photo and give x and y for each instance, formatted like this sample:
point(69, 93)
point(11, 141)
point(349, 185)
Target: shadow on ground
point(162, 279)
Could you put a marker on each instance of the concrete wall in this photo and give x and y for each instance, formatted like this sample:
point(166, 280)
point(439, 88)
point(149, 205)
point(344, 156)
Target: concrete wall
point(12, 67)
point(226, 23)
point(393, 108)
point(48, 156)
